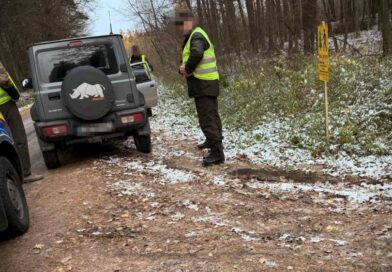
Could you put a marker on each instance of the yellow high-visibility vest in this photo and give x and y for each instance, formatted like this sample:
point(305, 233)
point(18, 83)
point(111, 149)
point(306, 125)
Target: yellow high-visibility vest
point(207, 69)
point(4, 96)
point(143, 57)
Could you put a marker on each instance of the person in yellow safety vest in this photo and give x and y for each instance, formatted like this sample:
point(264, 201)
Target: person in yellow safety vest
point(137, 56)
point(8, 95)
point(199, 67)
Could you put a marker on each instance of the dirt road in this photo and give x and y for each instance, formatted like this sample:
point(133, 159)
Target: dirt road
point(110, 208)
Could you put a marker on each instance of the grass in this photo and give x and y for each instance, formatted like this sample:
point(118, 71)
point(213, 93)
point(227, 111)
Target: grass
point(288, 92)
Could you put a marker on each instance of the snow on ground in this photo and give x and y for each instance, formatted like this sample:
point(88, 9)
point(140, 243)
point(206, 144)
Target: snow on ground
point(278, 152)
point(164, 168)
point(169, 128)
point(272, 149)
point(353, 196)
point(366, 42)
point(163, 174)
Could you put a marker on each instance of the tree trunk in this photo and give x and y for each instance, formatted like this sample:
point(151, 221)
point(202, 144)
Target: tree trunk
point(385, 23)
point(252, 25)
point(270, 30)
point(309, 11)
point(288, 18)
point(241, 10)
point(231, 27)
point(200, 13)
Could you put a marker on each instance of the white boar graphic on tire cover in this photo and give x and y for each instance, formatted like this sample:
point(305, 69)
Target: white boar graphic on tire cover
point(86, 90)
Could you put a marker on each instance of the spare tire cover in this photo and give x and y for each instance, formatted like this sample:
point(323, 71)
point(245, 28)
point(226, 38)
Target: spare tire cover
point(87, 93)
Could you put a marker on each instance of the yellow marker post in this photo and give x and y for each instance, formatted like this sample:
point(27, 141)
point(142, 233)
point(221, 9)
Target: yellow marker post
point(323, 68)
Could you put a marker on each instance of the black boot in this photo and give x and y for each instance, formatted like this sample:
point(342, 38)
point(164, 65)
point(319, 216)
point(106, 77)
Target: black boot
point(216, 155)
point(205, 145)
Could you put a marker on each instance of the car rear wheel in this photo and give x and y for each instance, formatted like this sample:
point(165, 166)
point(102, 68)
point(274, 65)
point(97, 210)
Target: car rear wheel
point(13, 197)
point(51, 159)
point(143, 143)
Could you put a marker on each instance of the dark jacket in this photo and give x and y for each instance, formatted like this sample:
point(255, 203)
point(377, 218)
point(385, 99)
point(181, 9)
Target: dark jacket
point(198, 87)
point(11, 91)
point(135, 59)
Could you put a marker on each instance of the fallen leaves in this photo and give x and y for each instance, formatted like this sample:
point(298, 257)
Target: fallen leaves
point(38, 248)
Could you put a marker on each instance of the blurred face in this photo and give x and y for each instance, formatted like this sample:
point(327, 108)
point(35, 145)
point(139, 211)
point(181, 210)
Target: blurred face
point(185, 27)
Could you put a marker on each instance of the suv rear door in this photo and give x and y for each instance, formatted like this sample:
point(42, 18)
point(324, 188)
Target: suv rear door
point(52, 61)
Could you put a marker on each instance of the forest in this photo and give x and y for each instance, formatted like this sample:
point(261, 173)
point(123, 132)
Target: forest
point(260, 27)
point(26, 22)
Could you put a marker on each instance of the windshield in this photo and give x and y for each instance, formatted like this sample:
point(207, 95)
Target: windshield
point(54, 65)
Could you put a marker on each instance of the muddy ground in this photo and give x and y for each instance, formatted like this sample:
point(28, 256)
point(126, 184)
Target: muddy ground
point(112, 209)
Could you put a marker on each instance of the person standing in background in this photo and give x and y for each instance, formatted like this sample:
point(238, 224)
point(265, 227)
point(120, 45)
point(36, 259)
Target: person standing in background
point(137, 56)
point(199, 67)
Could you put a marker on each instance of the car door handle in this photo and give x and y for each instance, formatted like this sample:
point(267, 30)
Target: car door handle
point(152, 85)
point(54, 96)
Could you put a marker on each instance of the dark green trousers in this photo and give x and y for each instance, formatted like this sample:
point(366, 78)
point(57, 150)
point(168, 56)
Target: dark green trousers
point(209, 119)
point(12, 116)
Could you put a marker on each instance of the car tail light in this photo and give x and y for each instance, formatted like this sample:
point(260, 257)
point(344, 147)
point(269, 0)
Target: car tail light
point(75, 44)
point(132, 118)
point(58, 130)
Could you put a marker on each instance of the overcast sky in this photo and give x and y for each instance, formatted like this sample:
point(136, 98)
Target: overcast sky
point(100, 17)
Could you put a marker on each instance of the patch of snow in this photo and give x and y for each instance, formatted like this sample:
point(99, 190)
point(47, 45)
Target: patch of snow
point(190, 205)
point(177, 217)
point(339, 242)
point(219, 181)
point(160, 171)
point(355, 255)
point(190, 234)
point(367, 42)
point(176, 175)
point(354, 194)
point(151, 217)
point(290, 238)
point(316, 239)
point(213, 218)
point(284, 237)
point(135, 166)
point(127, 187)
point(245, 235)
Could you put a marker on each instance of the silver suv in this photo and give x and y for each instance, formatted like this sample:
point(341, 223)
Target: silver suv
point(86, 91)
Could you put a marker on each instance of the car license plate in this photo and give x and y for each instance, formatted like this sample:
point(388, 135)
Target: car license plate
point(95, 128)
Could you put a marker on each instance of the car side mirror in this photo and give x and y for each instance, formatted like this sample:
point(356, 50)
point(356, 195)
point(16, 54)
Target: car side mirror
point(27, 83)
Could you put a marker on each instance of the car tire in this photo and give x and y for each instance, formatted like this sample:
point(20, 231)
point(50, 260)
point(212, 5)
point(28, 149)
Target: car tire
point(143, 143)
point(51, 159)
point(14, 200)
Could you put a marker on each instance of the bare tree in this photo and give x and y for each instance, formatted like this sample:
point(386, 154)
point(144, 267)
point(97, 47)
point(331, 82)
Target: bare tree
point(248, 27)
point(385, 23)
